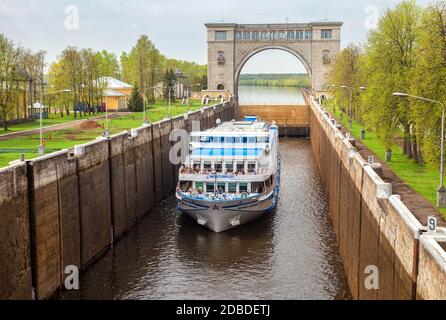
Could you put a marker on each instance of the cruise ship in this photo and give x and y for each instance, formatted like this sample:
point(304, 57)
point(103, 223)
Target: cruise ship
point(231, 175)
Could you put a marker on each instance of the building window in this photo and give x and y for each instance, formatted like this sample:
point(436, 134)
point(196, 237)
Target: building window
point(220, 87)
point(281, 35)
point(246, 35)
point(308, 35)
point(264, 35)
point(220, 35)
point(290, 35)
point(255, 35)
point(238, 35)
point(273, 35)
point(299, 35)
point(326, 34)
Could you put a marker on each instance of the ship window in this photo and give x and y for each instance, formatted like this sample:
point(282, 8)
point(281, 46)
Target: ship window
point(222, 186)
point(257, 187)
point(252, 139)
point(185, 186)
point(207, 165)
point(268, 184)
point(210, 187)
point(218, 166)
point(205, 139)
point(199, 185)
point(232, 187)
point(251, 167)
point(237, 139)
point(230, 166)
point(229, 140)
point(243, 187)
point(240, 167)
point(245, 139)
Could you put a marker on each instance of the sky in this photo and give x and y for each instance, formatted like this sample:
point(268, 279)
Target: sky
point(176, 27)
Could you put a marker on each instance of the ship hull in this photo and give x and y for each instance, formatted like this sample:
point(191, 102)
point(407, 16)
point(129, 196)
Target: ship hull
point(223, 216)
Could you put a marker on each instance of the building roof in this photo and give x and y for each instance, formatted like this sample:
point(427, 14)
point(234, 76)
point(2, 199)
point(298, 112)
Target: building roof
point(275, 25)
point(113, 93)
point(113, 83)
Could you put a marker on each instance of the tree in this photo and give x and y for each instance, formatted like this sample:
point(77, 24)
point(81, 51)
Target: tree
point(427, 80)
point(169, 83)
point(389, 61)
point(9, 55)
point(108, 64)
point(141, 66)
point(346, 71)
point(136, 103)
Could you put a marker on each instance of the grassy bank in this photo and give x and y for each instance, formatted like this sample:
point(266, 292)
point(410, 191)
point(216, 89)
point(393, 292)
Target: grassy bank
point(423, 180)
point(53, 119)
point(67, 138)
point(275, 80)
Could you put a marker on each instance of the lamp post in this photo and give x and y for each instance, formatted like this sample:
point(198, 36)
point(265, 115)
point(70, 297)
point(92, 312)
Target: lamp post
point(362, 118)
point(441, 191)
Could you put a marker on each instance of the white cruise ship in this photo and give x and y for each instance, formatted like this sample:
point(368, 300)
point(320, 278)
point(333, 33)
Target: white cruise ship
point(231, 175)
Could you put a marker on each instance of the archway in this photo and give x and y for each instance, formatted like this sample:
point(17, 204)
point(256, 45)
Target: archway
point(272, 73)
point(230, 45)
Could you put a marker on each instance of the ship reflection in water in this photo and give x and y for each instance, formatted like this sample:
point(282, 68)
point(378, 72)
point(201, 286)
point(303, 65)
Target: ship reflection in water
point(289, 254)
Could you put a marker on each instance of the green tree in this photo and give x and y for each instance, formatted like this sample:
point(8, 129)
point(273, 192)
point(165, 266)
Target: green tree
point(346, 71)
point(142, 66)
point(389, 62)
point(169, 82)
point(9, 57)
point(428, 79)
point(136, 103)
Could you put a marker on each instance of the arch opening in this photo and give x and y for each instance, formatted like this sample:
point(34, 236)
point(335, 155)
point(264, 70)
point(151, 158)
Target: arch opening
point(272, 76)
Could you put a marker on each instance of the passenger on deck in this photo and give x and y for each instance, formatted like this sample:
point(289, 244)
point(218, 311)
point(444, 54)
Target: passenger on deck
point(220, 191)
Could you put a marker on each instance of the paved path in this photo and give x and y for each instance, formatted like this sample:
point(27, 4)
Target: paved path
point(55, 127)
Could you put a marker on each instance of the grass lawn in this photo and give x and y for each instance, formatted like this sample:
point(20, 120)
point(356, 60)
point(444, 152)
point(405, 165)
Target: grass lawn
point(423, 180)
point(67, 138)
point(53, 119)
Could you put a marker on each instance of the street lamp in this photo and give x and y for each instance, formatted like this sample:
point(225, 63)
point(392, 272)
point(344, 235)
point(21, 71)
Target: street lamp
point(362, 117)
point(441, 191)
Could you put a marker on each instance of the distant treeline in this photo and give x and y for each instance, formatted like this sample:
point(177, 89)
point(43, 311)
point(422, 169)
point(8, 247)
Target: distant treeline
point(275, 80)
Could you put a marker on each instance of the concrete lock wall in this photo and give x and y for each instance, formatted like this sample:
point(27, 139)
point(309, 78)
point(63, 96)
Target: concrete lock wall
point(15, 253)
point(55, 220)
point(67, 208)
point(432, 268)
point(374, 229)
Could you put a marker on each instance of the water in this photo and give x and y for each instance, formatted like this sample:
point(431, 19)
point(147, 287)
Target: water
point(250, 95)
point(290, 254)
